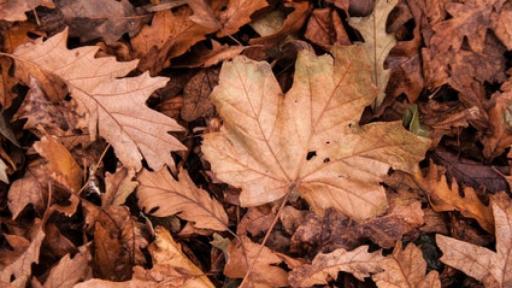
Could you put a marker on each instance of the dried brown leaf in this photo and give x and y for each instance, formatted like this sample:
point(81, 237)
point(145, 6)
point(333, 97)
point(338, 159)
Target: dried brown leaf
point(161, 195)
point(116, 107)
point(237, 14)
point(70, 270)
point(309, 141)
point(14, 10)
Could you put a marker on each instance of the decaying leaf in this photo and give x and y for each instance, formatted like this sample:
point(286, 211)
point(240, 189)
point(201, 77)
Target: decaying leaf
point(61, 164)
point(14, 10)
point(107, 19)
point(444, 197)
point(196, 102)
point(118, 187)
point(265, 272)
point(406, 269)
point(31, 189)
point(377, 43)
point(326, 29)
point(325, 267)
point(116, 107)
point(491, 268)
point(308, 142)
point(161, 195)
point(500, 116)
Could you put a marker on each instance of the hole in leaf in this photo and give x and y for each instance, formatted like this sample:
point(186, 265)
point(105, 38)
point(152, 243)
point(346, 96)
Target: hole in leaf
point(327, 160)
point(310, 155)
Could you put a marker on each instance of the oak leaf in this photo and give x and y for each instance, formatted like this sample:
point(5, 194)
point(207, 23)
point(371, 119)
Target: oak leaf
point(308, 142)
point(359, 262)
point(161, 195)
point(444, 197)
point(406, 268)
point(115, 107)
point(377, 43)
point(492, 268)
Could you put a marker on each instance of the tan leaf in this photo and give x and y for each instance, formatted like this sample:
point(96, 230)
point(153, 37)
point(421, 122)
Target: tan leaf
point(160, 195)
point(264, 274)
point(325, 267)
point(494, 269)
point(116, 107)
point(443, 198)
point(406, 269)
point(14, 10)
point(70, 270)
point(308, 141)
point(503, 25)
point(118, 187)
point(196, 101)
point(61, 164)
point(237, 14)
point(377, 43)
point(31, 189)
point(21, 269)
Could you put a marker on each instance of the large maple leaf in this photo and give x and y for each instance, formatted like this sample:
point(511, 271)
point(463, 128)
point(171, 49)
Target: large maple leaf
point(116, 107)
point(308, 141)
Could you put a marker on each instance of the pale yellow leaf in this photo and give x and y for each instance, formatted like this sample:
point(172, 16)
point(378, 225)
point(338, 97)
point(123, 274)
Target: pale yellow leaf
point(161, 195)
point(494, 269)
point(377, 43)
point(308, 141)
point(116, 108)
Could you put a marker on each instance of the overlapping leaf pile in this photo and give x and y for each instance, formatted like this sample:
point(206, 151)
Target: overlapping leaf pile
point(237, 143)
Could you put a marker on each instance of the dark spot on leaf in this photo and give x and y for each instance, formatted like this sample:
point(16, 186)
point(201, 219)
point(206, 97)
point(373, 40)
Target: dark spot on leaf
point(310, 155)
point(327, 160)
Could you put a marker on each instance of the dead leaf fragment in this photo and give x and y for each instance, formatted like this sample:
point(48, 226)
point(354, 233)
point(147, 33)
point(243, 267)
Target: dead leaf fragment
point(405, 269)
point(271, 145)
point(491, 268)
point(14, 10)
point(31, 189)
point(70, 270)
point(160, 195)
point(61, 164)
point(107, 19)
point(377, 43)
point(118, 187)
point(444, 197)
point(326, 29)
point(116, 108)
point(325, 267)
point(264, 274)
point(237, 14)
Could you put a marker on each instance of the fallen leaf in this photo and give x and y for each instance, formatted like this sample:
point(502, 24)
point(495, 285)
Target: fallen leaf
point(209, 57)
point(70, 270)
point(61, 164)
point(444, 197)
point(14, 10)
point(116, 107)
point(491, 268)
point(272, 145)
point(256, 220)
point(160, 195)
point(502, 25)
point(406, 268)
point(500, 136)
point(31, 189)
point(170, 35)
point(377, 43)
point(237, 14)
point(325, 267)
point(118, 187)
point(264, 274)
point(326, 29)
point(196, 102)
point(107, 19)
point(19, 271)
